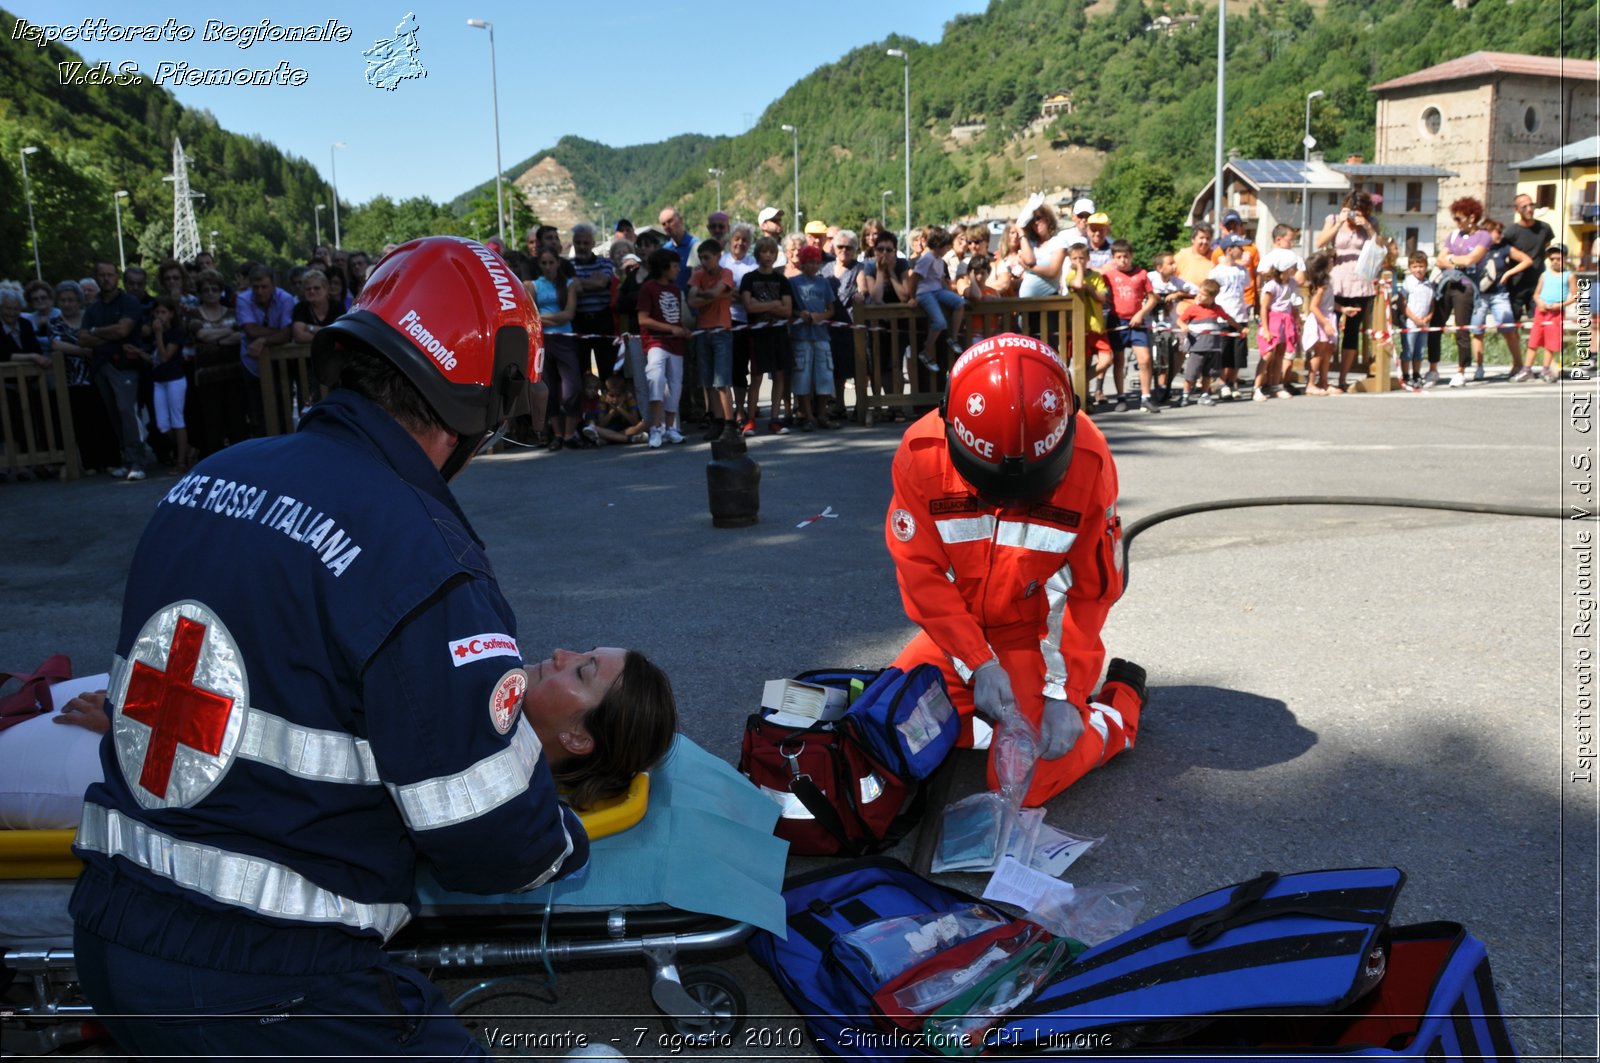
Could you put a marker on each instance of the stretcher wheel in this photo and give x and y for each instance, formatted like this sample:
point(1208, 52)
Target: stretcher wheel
point(719, 994)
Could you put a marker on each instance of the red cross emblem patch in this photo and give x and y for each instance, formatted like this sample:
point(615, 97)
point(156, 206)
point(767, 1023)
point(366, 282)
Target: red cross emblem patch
point(181, 713)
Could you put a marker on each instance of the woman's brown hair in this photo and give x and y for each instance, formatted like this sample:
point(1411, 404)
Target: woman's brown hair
point(631, 728)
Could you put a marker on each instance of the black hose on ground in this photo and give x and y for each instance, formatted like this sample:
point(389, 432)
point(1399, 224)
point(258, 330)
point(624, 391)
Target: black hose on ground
point(1132, 531)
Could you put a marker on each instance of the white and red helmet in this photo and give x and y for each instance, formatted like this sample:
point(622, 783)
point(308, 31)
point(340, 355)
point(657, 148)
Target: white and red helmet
point(1010, 417)
point(452, 316)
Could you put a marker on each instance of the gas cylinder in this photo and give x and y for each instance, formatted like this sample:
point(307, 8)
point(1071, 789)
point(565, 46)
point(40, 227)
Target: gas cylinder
point(733, 481)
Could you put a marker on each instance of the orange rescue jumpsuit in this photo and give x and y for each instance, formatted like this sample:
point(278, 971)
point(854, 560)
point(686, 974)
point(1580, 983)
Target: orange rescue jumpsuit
point(1030, 584)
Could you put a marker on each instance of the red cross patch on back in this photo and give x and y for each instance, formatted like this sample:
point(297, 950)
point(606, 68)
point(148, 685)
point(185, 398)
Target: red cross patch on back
point(181, 711)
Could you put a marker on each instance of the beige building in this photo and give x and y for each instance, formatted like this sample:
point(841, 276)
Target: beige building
point(1476, 115)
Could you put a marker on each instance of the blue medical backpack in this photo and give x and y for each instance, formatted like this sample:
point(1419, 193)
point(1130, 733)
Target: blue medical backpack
point(1274, 969)
point(905, 718)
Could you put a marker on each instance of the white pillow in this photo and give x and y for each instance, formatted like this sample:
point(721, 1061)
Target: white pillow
point(46, 766)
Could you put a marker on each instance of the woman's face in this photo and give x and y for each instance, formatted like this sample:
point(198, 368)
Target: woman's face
point(210, 293)
point(40, 302)
point(562, 690)
point(67, 302)
point(335, 286)
point(172, 281)
point(10, 310)
point(549, 265)
point(739, 244)
point(315, 291)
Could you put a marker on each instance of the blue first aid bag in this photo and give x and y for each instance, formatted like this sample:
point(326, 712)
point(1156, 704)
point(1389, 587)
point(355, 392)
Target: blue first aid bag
point(904, 718)
point(1272, 969)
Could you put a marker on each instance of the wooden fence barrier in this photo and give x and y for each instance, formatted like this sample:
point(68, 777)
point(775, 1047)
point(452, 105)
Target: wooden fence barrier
point(286, 387)
point(36, 419)
point(888, 380)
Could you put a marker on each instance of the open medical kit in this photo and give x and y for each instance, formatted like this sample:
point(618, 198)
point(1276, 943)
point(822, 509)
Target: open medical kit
point(1278, 968)
point(847, 786)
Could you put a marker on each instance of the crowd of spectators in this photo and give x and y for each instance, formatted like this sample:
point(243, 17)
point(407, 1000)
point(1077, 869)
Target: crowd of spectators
point(655, 328)
point(165, 375)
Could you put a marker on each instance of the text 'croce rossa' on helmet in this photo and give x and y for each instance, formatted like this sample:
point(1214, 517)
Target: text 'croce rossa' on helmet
point(1010, 418)
point(454, 318)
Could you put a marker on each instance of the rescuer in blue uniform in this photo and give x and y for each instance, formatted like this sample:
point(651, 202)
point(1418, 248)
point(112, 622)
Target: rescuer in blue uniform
point(317, 682)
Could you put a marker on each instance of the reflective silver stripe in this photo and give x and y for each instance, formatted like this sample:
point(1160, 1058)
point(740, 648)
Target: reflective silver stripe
point(1055, 665)
point(309, 752)
point(1098, 722)
point(792, 807)
point(488, 784)
point(1127, 743)
point(247, 882)
point(965, 529)
point(1110, 713)
point(1030, 536)
point(555, 867)
point(965, 670)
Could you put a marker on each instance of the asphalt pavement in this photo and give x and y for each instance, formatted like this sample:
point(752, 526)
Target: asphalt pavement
point(1330, 686)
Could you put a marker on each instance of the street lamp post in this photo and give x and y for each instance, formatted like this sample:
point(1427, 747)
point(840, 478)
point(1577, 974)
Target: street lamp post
point(214, 243)
point(318, 215)
point(884, 208)
point(27, 193)
point(494, 81)
point(116, 204)
point(714, 172)
point(333, 163)
point(1305, 193)
point(599, 216)
point(796, 131)
point(1222, 69)
point(905, 204)
point(1027, 165)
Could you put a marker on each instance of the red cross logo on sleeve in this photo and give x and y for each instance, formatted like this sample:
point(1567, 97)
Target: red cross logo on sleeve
point(175, 710)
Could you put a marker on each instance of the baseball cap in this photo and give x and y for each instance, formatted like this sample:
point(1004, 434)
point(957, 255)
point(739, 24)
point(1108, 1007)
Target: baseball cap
point(1075, 237)
point(817, 227)
point(1230, 240)
point(631, 257)
point(1099, 218)
point(1083, 206)
point(1231, 217)
point(767, 214)
point(651, 230)
point(717, 215)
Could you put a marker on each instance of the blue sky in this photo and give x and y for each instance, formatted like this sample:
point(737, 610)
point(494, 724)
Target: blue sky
point(563, 68)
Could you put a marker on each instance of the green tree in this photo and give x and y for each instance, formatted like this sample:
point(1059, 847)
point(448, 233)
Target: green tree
point(1143, 201)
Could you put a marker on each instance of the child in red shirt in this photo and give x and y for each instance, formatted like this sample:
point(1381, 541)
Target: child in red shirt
point(1205, 322)
point(1132, 299)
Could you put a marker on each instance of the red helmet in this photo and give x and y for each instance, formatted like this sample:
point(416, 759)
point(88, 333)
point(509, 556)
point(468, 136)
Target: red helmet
point(1010, 417)
point(456, 320)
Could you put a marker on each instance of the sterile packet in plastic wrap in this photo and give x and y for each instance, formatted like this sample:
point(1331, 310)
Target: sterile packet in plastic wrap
point(938, 987)
point(972, 834)
point(1092, 914)
point(889, 946)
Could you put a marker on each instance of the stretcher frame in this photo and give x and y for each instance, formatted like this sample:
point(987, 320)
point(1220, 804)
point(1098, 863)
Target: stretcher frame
point(700, 1003)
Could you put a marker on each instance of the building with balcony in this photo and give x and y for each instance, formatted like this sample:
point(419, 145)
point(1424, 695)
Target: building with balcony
point(1565, 186)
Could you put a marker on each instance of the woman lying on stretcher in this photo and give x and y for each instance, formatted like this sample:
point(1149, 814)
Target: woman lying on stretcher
point(601, 716)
